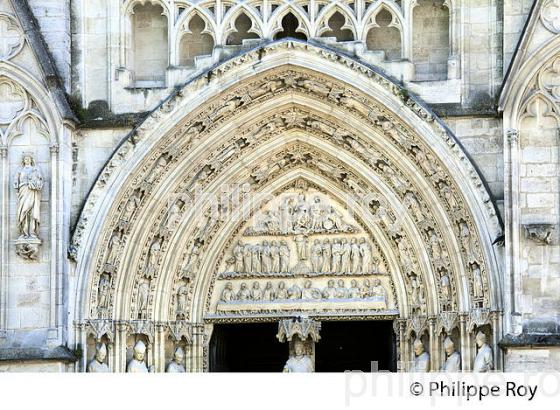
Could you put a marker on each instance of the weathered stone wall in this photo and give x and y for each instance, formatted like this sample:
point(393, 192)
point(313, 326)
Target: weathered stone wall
point(53, 17)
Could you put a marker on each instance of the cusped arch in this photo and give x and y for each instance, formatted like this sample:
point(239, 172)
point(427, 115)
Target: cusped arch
point(319, 75)
point(350, 21)
point(257, 25)
point(275, 20)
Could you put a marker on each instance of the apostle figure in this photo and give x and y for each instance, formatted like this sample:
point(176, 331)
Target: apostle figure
point(256, 292)
point(299, 362)
point(284, 257)
point(453, 362)
point(228, 294)
point(329, 292)
point(326, 254)
point(28, 184)
point(266, 260)
point(268, 293)
point(365, 253)
point(274, 257)
point(421, 362)
point(366, 289)
point(98, 365)
point(354, 291)
point(238, 255)
point(341, 291)
point(354, 256)
point(294, 292)
point(244, 293)
point(138, 364)
point(310, 292)
point(176, 366)
point(317, 256)
point(484, 361)
point(282, 293)
point(247, 257)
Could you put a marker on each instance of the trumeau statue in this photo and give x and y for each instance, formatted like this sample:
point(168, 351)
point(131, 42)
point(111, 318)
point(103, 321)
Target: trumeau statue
point(484, 361)
point(421, 362)
point(138, 364)
point(453, 362)
point(98, 365)
point(300, 362)
point(28, 183)
point(176, 366)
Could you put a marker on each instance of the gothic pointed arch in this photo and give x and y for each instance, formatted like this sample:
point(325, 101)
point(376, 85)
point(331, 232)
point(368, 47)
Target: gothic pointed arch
point(342, 149)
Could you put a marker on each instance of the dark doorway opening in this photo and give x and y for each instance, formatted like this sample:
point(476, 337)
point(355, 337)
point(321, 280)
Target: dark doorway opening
point(355, 345)
point(351, 345)
point(247, 347)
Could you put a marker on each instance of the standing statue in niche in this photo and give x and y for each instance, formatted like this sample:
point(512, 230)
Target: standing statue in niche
point(28, 182)
point(176, 366)
point(138, 364)
point(453, 362)
point(98, 365)
point(300, 362)
point(421, 362)
point(484, 361)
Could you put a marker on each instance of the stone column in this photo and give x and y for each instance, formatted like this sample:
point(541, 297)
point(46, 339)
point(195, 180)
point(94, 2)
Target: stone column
point(4, 230)
point(496, 334)
point(512, 283)
point(159, 348)
point(465, 344)
point(119, 365)
point(300, 329)
point(434, 345)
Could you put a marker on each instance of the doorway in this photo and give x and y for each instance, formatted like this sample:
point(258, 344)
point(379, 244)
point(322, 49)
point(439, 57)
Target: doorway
point(247, 347)
point(344, 345)
point(354, 345)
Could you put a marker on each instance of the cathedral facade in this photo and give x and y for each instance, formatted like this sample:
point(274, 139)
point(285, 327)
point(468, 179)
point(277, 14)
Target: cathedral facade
point(279, 185)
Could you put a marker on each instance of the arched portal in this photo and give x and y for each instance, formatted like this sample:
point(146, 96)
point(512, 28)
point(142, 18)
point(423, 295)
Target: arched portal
point(289, 170)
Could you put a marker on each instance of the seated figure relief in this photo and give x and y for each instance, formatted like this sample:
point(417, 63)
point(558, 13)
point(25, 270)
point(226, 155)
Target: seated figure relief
point(281, 292)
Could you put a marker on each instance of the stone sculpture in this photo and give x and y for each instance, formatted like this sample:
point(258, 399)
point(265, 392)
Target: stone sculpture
point(421, 362)
point(453, 362)
point(28, 183)
point(137, 364)
point(484, 360)
point(176, 365)
point(300, 362)
point(98, 365)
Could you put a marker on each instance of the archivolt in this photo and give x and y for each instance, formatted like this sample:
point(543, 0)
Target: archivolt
point(308, 109)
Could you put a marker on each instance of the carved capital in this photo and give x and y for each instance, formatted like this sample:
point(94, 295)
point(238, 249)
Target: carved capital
point(512, 136)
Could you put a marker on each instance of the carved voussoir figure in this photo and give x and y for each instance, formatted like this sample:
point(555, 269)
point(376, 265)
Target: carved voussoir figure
point(28, 182)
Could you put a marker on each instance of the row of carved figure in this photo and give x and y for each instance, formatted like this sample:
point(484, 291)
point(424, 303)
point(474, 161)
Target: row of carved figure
point(483, 362)
point(294, 292)
point(297, 215)
point(138, 363)
point(339, 255)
